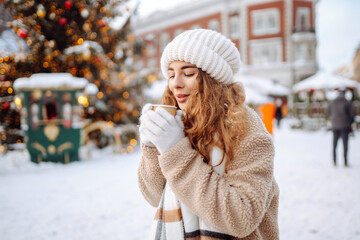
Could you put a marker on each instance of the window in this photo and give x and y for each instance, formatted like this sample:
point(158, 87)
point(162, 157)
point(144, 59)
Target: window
point(164, 40)
point(50, 108)
point(195, 26)
point(268, 52)
point(178, 31)
point(304, 52)
point(265, 21)
point(214, 25)
point(150, 44)
point(302, 18)
point(234, 27)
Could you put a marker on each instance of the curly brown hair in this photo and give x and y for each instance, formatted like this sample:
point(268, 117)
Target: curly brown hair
point(216, 116)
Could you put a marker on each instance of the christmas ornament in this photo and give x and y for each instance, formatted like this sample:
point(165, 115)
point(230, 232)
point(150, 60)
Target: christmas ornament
point(68, 4)
point(22, 33)
point(86, 27)
point(63, 21)
point(102, 23)
point(41, 11)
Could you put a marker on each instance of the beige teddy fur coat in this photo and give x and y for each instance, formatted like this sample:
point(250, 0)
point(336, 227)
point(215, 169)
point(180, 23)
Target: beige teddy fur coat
point(243, 202)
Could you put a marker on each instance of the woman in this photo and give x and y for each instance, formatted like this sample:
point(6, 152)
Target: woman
point(209, 169)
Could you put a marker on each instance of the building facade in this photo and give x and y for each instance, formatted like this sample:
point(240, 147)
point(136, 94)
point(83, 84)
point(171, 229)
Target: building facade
point(276, 38)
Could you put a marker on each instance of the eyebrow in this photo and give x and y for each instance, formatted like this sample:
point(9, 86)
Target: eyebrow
point(182, 68)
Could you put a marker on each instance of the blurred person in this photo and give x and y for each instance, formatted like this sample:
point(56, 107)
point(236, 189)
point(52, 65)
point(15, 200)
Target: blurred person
point(342, 114)
point(267, 112)
point(278, 111)
point(209, 169)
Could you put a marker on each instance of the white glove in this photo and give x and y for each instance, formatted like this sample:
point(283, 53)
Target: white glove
point(143, 118)
point(163, 129)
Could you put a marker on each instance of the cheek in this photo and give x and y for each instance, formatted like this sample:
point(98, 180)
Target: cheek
point(192, 84)
point(171, 88)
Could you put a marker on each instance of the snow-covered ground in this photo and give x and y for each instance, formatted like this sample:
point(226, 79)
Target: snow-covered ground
point(99, 198)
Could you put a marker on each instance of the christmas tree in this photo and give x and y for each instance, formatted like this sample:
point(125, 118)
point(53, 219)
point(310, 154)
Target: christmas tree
point(86, 38)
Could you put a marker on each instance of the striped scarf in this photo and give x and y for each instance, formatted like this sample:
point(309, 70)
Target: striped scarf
point(174, 221)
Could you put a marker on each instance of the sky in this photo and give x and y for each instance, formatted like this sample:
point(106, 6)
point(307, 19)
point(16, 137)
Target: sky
point(337, 26)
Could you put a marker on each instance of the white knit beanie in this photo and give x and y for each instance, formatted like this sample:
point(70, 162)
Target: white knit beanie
point(209, 50)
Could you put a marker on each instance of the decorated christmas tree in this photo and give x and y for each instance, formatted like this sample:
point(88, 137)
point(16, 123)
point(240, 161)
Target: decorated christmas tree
point(86, 38)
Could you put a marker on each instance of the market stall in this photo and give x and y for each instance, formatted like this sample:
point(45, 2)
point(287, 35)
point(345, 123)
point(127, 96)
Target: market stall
point(311, 96)
point(51, 107)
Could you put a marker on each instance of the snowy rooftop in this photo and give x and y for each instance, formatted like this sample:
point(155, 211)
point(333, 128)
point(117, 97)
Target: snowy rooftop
point(265, 86)
point(325, 80)
point(91, 89)
point(50, 81)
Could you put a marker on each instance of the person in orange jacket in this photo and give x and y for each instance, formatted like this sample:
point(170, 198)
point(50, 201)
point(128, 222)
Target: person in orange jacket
point(267, 112)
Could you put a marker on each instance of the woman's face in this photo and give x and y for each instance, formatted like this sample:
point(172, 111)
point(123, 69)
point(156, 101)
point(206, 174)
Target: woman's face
point(182, 81)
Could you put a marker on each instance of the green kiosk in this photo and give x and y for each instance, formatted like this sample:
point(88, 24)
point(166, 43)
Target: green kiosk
point(51, 108)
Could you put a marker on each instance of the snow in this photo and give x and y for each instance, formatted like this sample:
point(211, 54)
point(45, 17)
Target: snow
point(324, 80)
point(10, 43)
point(50, 80)
point(91, 89)
point(85, 48)
point(99, 198)
point(123, 12)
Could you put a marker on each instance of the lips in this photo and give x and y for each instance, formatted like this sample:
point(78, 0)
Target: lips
point(181, 98)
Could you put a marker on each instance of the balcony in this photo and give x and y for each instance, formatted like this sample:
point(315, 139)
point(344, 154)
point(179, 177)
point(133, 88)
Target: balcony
point(303, 29)
point(303, 34)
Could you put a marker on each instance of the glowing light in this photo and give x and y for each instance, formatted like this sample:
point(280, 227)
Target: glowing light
point(100, 95)
point(126, 95)
point(81, 99)
point(130, 148)
point(121, 75)
point(10, 90)
point(133, 142)
point(151, 78)
point(17, 101)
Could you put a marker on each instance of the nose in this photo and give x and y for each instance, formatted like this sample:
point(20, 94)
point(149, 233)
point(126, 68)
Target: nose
point(178, 81)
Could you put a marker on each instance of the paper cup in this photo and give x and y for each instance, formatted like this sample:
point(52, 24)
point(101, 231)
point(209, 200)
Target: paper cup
point(169, 108)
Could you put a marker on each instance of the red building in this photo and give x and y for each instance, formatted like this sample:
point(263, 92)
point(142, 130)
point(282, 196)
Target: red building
point(276, 38)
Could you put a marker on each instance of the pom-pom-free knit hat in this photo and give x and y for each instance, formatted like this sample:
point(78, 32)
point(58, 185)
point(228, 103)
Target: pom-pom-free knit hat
point(209, 50)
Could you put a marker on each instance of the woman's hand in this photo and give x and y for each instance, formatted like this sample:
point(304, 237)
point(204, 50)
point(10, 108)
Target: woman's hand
point(143, 137)
point(163, 129)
